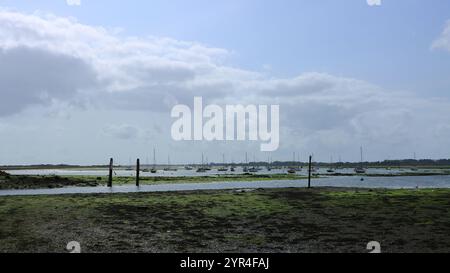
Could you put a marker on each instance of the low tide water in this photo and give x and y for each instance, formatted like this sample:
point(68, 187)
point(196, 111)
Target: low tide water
point(399, 182)
point(193, 173)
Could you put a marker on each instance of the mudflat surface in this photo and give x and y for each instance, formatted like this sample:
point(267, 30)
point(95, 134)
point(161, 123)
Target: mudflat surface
point(21, 182)
point(264, 220)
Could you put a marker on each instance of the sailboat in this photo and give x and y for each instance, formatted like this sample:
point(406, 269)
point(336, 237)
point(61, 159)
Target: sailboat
point(245, 169)
point(314, 169)
point(146, 170)
point(232, 168)
point(153, 170)
point(169, 168)
point(207, 166)
point(360, 169)
point(202, 169)
point(269, 164)
point(292, 169)
point(340, 164)
point(414, 168)
point(223, 168)
point(331, 170)
point(129, 168)
point(298, 168)
point(253, 169)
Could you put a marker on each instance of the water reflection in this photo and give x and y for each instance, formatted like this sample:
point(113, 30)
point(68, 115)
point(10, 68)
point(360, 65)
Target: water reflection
point(401, 182)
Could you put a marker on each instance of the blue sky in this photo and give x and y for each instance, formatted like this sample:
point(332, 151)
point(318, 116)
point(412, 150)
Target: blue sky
point(344, 73)
point(346, 38)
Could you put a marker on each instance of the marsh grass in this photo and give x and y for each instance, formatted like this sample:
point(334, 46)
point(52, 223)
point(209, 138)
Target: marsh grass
point(52, 181)
point(269, 220)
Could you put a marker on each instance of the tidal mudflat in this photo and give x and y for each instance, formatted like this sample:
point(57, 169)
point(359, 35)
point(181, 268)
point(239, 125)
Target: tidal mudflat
point(9, 182)
point(260, 220)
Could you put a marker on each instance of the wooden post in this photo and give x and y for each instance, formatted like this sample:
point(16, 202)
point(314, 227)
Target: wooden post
point(137, 172)
point(309, 172)
point(110, 173)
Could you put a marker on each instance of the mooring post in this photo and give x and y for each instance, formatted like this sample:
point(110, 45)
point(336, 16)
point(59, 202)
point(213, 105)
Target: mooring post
point(110, 173)
point(137, 172)
point(309, 172)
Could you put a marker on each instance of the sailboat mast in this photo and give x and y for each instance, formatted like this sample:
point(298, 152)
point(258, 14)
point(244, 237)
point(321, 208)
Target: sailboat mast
point(361, 148)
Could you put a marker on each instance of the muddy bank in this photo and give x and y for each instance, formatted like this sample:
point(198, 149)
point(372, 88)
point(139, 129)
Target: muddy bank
point(270, 220)
point(19, 182)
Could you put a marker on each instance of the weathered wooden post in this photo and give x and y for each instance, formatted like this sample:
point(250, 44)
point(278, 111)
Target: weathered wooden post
point(110, 173)
point(137, 172)
point(309, 172)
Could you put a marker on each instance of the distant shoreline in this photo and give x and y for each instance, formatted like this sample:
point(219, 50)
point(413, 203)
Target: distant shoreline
point(390, 164)
point(23, 182)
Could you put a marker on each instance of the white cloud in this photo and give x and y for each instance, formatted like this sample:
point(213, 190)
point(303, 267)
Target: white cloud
point(443, 41)
point(31, 76)
point(118, 64)
point(73, 2)
point(121, 131)
point(45, 59)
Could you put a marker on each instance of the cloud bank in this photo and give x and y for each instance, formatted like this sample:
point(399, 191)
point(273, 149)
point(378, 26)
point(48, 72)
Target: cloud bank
point(46, 59)
point(443, 41)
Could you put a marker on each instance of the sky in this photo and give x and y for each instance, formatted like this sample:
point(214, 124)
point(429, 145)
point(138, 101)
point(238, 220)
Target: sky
point(82, 81)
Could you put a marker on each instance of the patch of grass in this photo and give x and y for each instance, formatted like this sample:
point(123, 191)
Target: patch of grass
point(264, 220)
point(52, 181)
point(47, 181)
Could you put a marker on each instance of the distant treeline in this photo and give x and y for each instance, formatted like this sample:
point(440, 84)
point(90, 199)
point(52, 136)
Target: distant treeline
point(386, 163)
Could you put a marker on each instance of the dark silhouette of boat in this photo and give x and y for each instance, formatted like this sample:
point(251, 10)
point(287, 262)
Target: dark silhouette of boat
point(360, 169)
